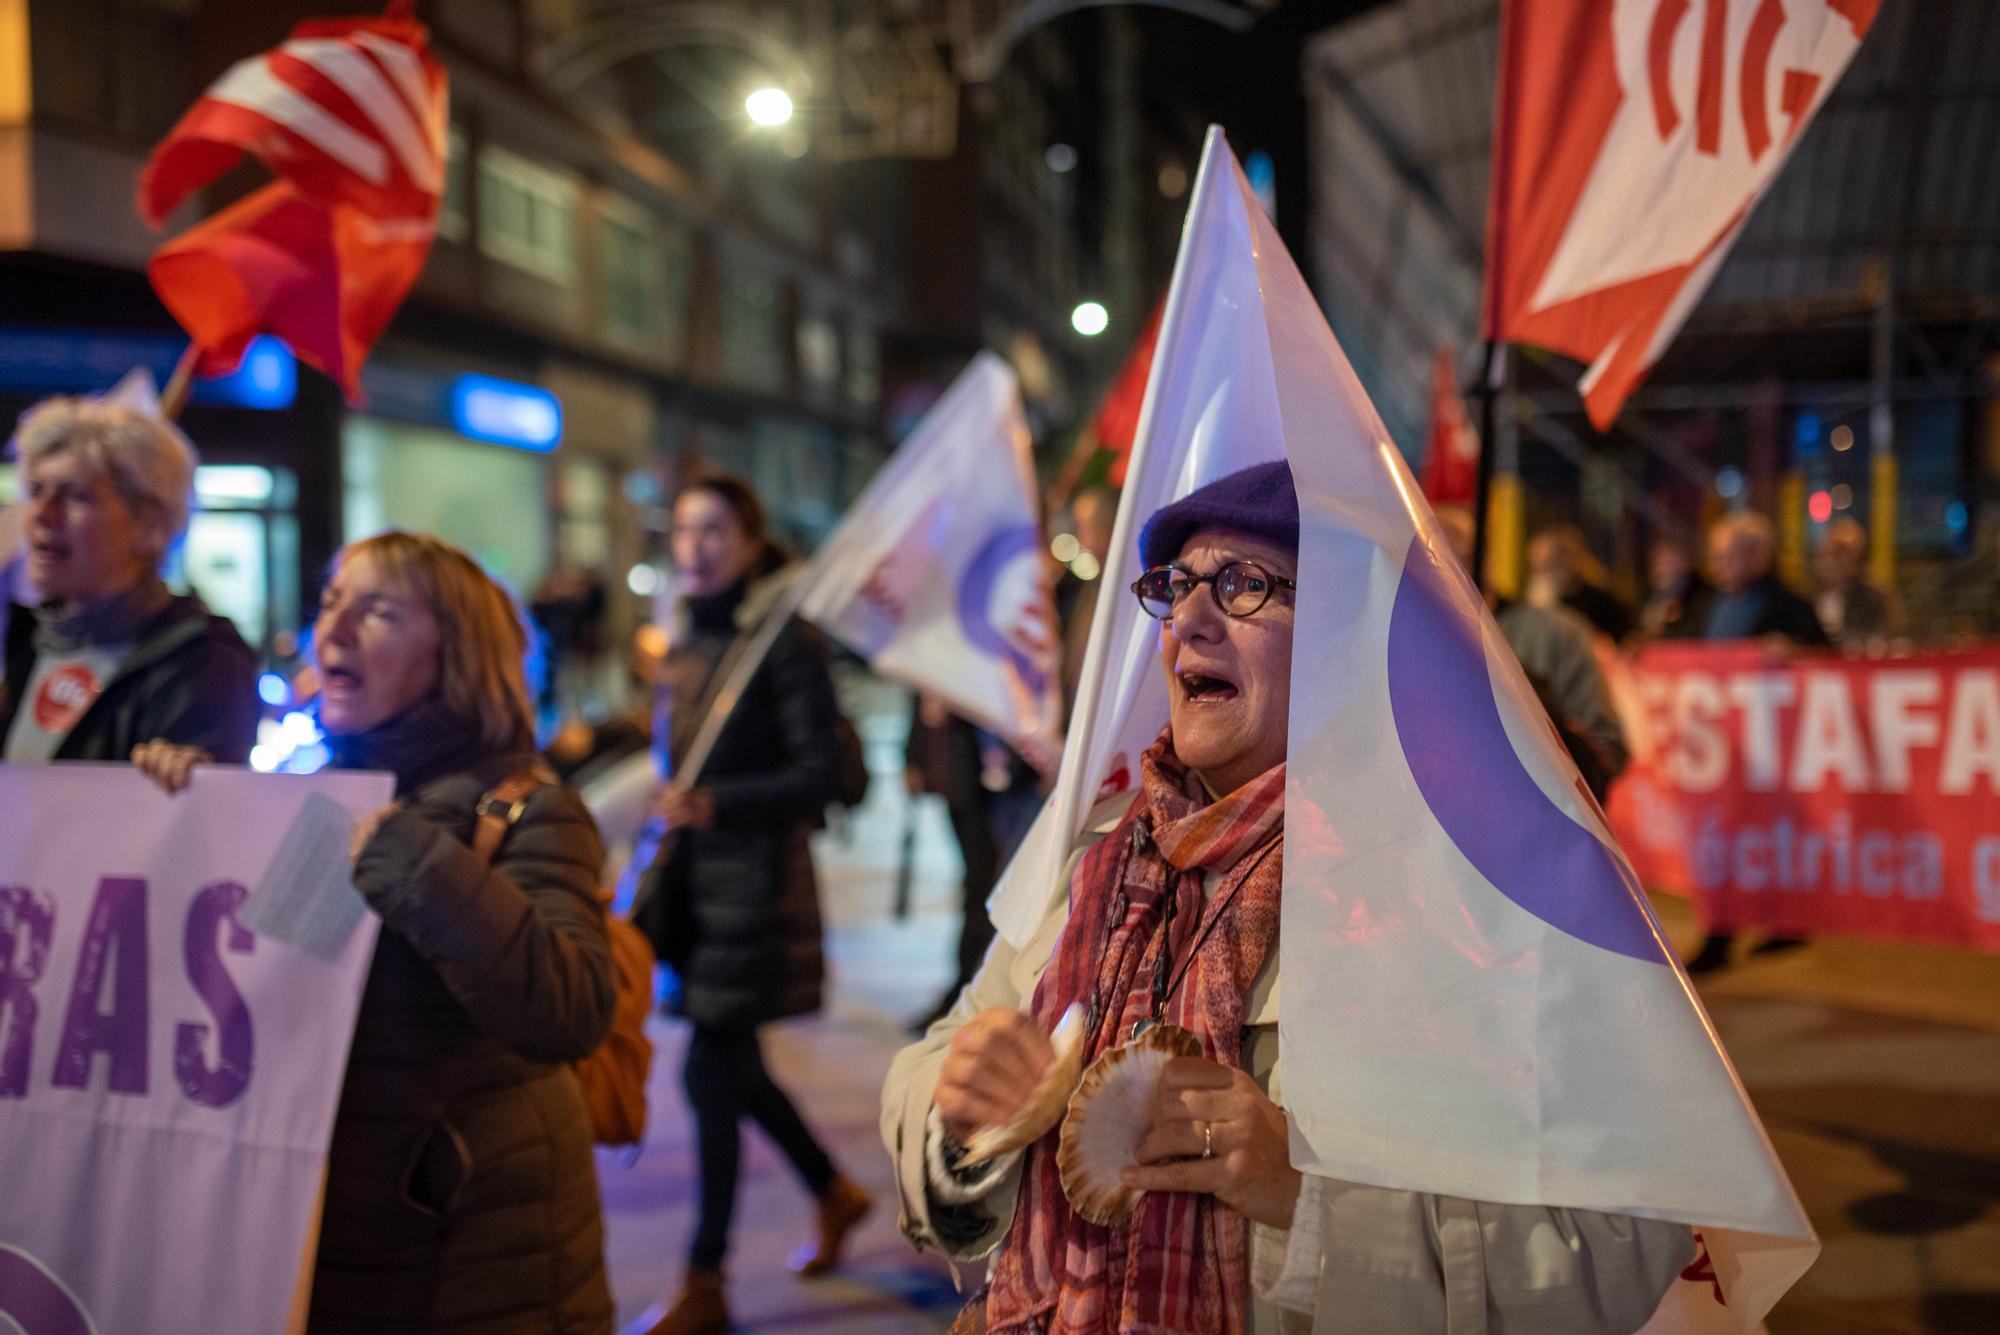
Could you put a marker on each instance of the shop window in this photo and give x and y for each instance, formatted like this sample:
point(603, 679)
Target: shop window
point(527, 214)
point(491, 501)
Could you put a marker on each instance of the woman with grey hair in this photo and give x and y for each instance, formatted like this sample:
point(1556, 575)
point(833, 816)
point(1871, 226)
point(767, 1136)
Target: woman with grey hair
point(111, 665)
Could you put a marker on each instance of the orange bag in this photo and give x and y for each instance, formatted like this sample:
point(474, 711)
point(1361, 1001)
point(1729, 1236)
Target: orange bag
point(613, 1076)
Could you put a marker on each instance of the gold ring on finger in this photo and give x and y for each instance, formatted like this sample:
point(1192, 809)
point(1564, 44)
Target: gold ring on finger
point(1208, 1140)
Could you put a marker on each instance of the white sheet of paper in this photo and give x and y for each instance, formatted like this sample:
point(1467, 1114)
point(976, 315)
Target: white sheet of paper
point(305, 898)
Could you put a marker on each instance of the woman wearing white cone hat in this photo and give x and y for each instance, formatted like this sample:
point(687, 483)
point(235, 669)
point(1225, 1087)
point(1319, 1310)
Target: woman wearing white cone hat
point(1166, 941)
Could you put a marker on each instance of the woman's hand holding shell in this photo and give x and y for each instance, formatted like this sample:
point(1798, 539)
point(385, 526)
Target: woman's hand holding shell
point(990, 1070)
point(1207, 1108)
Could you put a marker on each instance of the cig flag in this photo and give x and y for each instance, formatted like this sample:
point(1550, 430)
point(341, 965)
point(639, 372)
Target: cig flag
point(936, 576)
point(168, 1077)
point(1631, 140)
point(1476, 1000)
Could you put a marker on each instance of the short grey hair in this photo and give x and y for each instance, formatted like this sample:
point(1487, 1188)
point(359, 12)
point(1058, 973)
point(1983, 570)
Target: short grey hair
point(146, 459)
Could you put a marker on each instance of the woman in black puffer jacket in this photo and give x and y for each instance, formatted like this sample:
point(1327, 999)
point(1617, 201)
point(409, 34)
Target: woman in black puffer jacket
point(461, 1189)
point(733, 905)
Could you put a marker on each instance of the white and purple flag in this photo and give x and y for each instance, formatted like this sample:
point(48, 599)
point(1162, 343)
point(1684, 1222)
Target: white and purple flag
point(1477, 1001)
point(936, 575)
point(168, 1075)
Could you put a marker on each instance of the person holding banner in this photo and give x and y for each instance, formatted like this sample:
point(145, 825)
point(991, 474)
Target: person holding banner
point(1171, 917)
point(461, 1191)
point(733, 904)
point(111, 662)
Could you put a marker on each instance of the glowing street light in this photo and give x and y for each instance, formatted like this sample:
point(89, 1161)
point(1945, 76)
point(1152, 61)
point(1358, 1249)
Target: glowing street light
point(1090, 319)
point(769, 107)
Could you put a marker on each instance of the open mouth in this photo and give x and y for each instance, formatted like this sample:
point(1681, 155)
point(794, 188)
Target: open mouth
point(344, 680)
point(1201, 688)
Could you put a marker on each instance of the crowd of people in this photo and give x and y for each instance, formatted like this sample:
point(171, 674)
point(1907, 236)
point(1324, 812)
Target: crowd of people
point(461, 1192)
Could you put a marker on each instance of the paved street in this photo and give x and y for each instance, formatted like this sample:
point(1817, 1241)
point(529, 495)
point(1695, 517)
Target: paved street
point(1876, 1068)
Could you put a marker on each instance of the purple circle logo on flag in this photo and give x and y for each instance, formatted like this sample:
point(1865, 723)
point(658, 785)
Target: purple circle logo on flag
point(34, 1301)
point(1003, 610)
point(1477, 787)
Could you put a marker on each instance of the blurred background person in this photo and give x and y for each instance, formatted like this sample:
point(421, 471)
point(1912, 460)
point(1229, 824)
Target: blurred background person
point(569, 607)
point(991, 796)
point(111, 660)
point(733, 904)
point(1554, 647)
point(1747, 602)
point(1675, 583)
point(1562, 572)
point(1745, 599)
point(1092, 514)
point(1851, 611)
point(461, 1190)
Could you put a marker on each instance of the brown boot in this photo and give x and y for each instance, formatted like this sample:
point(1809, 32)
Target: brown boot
point(843, 1206)
point(700, 1310)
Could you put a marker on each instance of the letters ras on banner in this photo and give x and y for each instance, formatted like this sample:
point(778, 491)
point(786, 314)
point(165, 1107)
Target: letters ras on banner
point(1818, 794)
point(167, 1079)
point(1631, 140)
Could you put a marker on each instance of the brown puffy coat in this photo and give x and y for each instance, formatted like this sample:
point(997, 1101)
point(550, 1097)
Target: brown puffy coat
point(462, 1190)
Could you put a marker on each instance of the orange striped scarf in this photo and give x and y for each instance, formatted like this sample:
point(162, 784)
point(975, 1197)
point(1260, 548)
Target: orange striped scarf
point(1181, 1263)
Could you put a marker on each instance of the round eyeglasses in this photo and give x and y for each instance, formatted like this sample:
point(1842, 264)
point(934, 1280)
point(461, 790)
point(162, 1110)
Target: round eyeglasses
point(1240, 588)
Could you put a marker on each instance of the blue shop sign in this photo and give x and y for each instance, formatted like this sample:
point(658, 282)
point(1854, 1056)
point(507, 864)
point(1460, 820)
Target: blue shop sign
point(480, 407)
point(83, 361)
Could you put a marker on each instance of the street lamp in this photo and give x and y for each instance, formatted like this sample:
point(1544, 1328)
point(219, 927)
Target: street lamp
point(769, 107)
point(1090, 319)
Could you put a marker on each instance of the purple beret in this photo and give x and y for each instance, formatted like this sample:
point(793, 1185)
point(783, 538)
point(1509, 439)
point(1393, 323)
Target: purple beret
point(1259, 500)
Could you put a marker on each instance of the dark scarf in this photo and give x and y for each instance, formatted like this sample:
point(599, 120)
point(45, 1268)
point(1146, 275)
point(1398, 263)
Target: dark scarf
point(64, 628)
point(420, 745)
point(715, 613)
point(1181, 1264)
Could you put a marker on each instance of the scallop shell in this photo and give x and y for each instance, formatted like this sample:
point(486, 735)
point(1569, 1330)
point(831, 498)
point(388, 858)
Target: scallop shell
point(1045, 1105)
point(1110, 1113)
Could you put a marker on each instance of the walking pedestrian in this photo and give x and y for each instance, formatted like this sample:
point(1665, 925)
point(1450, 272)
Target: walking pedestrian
point(733, 905)
point(111, 662)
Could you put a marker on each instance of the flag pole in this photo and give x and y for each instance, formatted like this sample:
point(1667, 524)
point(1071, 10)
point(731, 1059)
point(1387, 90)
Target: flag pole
point(1489, 395)
point(175, 396)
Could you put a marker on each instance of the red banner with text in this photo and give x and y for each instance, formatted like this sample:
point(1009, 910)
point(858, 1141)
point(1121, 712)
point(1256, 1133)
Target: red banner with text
point(1816, 794)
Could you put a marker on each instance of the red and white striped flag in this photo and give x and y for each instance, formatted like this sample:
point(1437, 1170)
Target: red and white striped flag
point(350, 115)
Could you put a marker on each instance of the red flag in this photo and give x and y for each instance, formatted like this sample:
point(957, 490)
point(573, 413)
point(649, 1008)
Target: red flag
point(350, 115)
point(1631, 140)
point(1451, 468)
point(1117, 420)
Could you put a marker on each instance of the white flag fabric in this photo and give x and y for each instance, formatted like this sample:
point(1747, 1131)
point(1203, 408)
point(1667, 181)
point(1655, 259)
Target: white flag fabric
point(1207, 413)
point(936, 574)
point(1476, 1000)
point(168, 1079)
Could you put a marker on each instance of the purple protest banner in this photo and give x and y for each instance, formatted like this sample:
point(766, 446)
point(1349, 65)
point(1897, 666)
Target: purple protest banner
point(168, 1077)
